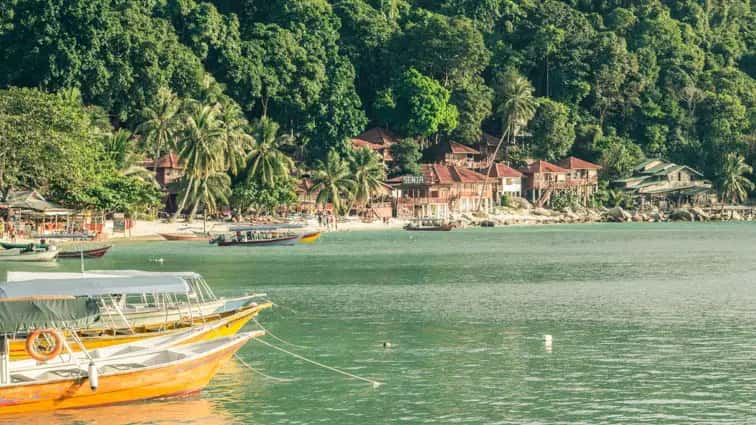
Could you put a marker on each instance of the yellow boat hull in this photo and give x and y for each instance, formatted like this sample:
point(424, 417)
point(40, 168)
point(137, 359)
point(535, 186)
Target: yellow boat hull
point(179, 378)
point(310, 237)
point(230, 325)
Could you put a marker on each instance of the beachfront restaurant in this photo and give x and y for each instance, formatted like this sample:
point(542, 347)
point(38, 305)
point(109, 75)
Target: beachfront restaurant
point(32, 216)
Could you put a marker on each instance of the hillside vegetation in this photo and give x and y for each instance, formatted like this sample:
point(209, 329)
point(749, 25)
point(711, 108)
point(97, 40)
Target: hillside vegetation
point(614, 80)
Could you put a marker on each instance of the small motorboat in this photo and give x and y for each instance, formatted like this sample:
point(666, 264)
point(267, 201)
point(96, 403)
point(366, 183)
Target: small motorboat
point(428, 225)
point(310, 237)
point(265, 235)
point(18, 255)
point(87, 253)
point(184, 236)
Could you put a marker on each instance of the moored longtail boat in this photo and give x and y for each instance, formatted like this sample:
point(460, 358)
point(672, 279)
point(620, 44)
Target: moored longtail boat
point(86, 253)
point(310, 237)
point(16, 255)
point(106, 378)
point(132, 297)
point(266, 235)
point(428, 225)
point(93, 339)
point(184, 236)
point(157, 373)
point(113, 327)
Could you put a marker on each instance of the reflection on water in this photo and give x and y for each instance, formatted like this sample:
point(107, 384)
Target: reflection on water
point(191, 410)
point(650, 323)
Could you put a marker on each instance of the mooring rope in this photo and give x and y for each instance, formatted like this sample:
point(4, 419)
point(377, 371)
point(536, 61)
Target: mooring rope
point(375, 384)
point(267, 332)
point(273, 378)
point(284, 307)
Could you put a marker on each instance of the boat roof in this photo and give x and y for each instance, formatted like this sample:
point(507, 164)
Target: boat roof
point(24, 314)
point(245, 228)
point(90, 284)
point(22, 276)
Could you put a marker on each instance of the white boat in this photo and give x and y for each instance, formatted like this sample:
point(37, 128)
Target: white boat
point(36, 256)
point(133, 298)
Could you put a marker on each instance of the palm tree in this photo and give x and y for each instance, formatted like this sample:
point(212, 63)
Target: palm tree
point(201, 150)
point(516, 109)
point(265, 161)
point(162, 123)
point(332, 179)
point(733, 184)
point(368, 173)
point(236, 141)
point(213, 192)
point(119, 148)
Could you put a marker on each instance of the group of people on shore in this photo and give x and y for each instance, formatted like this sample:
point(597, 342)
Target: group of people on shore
point(8, 230)
point(328, 220)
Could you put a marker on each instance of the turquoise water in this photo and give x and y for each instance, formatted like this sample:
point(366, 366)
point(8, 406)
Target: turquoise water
point(651, 323)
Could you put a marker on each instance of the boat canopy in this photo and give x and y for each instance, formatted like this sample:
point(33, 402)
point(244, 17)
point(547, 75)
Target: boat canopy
point(264, 227)
point(95, 285)
point(113, 274)
point(25, 314)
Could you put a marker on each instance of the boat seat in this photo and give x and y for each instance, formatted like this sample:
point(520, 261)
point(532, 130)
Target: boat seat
point(120, 367)
point(17, 377)
point(62, 373)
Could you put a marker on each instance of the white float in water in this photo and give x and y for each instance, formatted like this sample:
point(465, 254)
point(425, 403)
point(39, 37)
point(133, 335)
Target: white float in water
point(548, 341)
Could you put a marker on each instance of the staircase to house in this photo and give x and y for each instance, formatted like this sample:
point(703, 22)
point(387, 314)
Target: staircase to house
point(545, 196)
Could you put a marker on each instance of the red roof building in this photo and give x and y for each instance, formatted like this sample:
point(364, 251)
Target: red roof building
point(574, 163)
point(443, 189)
point(573, 175)
point(509, 180)
point(453, 153)
point(169, 169)
point(384, 151)
point(378, 136)
point(378, 139)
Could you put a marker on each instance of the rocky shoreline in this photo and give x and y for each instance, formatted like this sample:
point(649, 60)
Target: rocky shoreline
point(523, 213)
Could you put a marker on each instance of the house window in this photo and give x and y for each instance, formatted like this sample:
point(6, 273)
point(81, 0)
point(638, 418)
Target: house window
point(509, 181)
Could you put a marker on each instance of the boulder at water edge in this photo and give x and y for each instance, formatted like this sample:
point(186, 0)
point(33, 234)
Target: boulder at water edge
point(681, 214)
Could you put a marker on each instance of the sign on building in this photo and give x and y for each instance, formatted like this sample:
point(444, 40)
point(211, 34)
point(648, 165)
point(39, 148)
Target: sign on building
point(413, 180)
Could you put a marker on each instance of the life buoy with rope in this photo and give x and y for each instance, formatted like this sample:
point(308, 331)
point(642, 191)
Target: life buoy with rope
point(44, 344)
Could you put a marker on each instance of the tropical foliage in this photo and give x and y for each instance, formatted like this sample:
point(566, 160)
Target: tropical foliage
point(733, 185)
point(611, 82)
point(368, 174)
point(332, 180)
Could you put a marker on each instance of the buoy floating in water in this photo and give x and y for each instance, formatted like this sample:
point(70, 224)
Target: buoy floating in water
point(386, 344)
point(548, 341)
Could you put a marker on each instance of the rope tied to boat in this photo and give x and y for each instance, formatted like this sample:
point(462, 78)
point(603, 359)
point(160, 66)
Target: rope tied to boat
point(272, 378)
point(269, 333)
point(375, 383)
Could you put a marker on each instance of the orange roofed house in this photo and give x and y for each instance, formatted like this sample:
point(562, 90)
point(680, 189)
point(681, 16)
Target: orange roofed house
point(378, 139)
point(442, 189)
point(453, 153)
point(509, 180)
point(583, 176)
point(169, 172)
point(543, 179)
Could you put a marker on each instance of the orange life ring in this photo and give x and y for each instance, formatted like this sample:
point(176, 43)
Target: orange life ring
point(31, 346)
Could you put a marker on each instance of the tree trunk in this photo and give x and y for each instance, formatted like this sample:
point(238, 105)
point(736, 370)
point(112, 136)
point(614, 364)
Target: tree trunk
point(157, 158)
point(190, 219)
point(182, 204)
point(488, 172)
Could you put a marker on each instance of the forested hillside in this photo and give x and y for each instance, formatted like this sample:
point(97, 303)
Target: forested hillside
point(615, 80)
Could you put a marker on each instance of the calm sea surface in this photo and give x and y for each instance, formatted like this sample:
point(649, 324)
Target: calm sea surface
point(652, 323)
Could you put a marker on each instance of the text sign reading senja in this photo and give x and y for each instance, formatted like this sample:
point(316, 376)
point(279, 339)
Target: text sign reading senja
point(413, 180)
